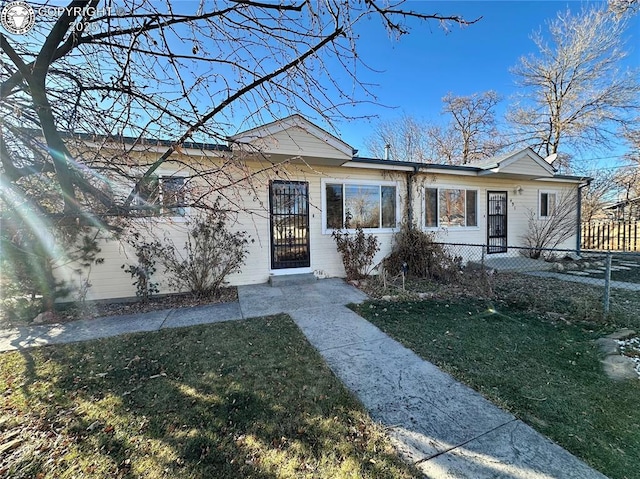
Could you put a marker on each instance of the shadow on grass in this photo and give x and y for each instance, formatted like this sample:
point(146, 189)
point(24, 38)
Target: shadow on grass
point(545, 371)
point(244, 399)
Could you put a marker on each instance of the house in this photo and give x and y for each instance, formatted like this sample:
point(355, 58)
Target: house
point(298, 183)
point(625, 210)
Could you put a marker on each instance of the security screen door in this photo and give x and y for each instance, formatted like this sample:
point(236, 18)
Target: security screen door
point(496, 221)
point(289, 218)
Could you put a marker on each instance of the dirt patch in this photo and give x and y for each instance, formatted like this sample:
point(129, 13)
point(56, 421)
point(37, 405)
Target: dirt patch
point(75, 311)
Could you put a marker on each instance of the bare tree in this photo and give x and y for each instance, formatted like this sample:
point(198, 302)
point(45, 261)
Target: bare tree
point(602, 189)
point(100, 95)
point(470, 134)
point(180, 72)
point(623, 7)
point(473, 119)
point(405, 139)
point(627, 178)
point(444, 144)
point(575, 93)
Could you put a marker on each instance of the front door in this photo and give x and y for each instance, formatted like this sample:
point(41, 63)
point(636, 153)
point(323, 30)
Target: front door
point(289, 219)
point(496, 221)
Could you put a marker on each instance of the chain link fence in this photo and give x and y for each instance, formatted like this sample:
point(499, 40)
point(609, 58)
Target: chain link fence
point(566, 275)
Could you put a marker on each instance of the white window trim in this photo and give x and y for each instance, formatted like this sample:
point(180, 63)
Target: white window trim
point(548, 192)
point(449, 228)
point(342, 181)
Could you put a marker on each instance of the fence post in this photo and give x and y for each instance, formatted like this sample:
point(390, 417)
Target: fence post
point(607, 285)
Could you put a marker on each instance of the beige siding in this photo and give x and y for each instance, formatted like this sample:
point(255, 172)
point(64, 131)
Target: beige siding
point(522, 200)
point(525, 166)
point(110, 281)
point(296, 141)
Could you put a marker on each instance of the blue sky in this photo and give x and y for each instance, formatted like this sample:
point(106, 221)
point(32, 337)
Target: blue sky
point(422, 67)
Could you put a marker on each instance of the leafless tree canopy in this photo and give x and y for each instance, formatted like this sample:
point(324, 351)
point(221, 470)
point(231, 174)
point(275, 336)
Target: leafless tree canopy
point(174, 70)
point(473, 119)
point(575, 93)
point(405, 139)
point(470, 133)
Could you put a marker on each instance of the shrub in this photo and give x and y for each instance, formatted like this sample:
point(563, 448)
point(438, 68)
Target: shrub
point(144, 269)
point(550, 232)
point(210, 254)
point(357, 251)
point(424, 257)
point(29, 258)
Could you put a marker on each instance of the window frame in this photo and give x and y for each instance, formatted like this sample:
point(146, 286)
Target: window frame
point(555, 205)
point(438, 226)
point(348, 182)
point(158, 209)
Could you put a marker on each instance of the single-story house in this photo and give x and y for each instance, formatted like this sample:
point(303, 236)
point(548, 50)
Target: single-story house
point(301, 183)
point(625, 210)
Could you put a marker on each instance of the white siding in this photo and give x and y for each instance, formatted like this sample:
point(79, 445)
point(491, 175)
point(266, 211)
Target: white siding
point(525, 166)
point(296, 141)
point(522, 199)
point(110, 281)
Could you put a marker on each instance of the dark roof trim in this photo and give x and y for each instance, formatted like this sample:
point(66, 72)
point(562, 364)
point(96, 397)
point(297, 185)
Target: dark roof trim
point(414, 164)
point(623, 203)
point(130, 140)
point(134, 141)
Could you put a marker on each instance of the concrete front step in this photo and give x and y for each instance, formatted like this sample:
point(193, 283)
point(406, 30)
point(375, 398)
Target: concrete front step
point(292, 279)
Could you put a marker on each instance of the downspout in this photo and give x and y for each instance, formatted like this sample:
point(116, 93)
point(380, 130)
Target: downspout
point(579, 222)
point(410, 176)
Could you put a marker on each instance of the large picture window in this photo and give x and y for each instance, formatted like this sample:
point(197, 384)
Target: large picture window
point(353, 205)
point(450, 207)
point(161, 195)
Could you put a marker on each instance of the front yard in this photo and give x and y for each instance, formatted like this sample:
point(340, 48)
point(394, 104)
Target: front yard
point(238, 399)
point(530, 349)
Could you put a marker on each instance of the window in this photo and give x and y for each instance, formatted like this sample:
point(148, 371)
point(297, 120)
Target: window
point(547, 204)
point(157, 195)
point(352, 205)
point(450, 207)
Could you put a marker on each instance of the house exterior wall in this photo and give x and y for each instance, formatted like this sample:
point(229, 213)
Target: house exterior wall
point(296, 141)
point(109, 280)
point(522, 200)
point(251, 200)
point(524, 166)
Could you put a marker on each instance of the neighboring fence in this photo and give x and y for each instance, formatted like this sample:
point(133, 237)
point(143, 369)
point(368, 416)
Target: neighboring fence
point(611, 235)
point(589, 269)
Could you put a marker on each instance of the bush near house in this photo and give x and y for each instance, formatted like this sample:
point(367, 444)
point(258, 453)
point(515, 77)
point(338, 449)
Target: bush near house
point(29, 259)
point(211, 253)
point(423, 257)
point(357, 251)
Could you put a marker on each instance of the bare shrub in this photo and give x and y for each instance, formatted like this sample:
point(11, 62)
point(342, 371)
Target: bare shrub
point(549, 232)
point(357, 251)
point(423, 256)
point(211, 253)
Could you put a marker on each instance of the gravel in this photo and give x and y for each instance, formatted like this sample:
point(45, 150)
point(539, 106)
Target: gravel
point(631, 348)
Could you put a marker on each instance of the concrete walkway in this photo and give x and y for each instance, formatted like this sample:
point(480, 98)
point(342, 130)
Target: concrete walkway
point(446, 429)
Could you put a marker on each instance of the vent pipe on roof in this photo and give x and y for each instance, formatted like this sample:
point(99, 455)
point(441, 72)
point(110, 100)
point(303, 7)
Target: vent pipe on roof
point(387, 151)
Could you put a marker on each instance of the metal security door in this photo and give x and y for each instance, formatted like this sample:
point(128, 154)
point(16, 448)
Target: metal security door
point(496, 221)
point(289, 217)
